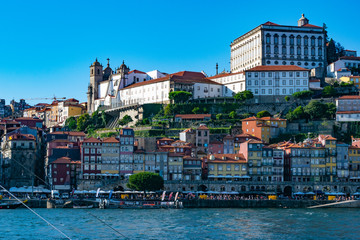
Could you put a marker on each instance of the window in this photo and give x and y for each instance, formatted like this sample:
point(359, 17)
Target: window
point(297, 82)
point(291, 50)
point(228, 167)
point(304, 74)
point(276, 50)
point(256, 74)
point(268, 39)
point(284, 74)
point(312, 51)
point(304, 82)
point(320, 51)
point(270, 91)
point(276, 39)
point(312, 41)
point(291, 40)
point(298, 40)
point(220, 168)
point(284, 82)
point(268, 51)
point(306, 40)
point(256, 91)
point(291, 91)
point(270, 82)
point(262, 91)
point(306, 51)
point(297, 74)
point(284, 91)
point(269, 74)
point(298, 51)
point(256, 82)
point(262, 74)
point(263, 82)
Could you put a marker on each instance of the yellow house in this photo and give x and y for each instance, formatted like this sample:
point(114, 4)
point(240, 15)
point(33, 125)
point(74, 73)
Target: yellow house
point(227, 167)
point(354, 162)
point(329, 143)
point(354, 79)
point(110, 157)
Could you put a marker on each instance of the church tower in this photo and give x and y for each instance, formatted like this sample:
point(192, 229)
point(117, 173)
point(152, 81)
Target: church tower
point(303, 21)
point(96, 76)
point(123, 70)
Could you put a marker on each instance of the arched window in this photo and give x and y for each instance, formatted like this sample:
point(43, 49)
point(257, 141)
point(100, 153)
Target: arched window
point(98, 71)
point(312, 51)
point(283, 51)
point(92, 71)
point(320, 41)
point(298, 50)
point(291, 50)
point(298, 40)
point(283, 39)
point(306, 40)
point(292, 40)
point(276, 50)
point(306, 51)
point(320, 51)
point(256, 82)
point(268, 38)
point(276, 39)
point(312, 41)
point(268, 51)
point(262, 82)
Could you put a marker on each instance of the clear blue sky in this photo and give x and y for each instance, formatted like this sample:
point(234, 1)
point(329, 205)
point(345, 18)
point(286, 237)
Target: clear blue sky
point(46, 47)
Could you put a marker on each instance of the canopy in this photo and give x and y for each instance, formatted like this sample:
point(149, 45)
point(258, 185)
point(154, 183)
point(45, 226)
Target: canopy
point(299, 193)
point(335, 193)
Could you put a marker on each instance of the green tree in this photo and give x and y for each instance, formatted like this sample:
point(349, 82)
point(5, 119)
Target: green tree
point(145, 181)
point(219, 116)
point(244, 95)
point(233, 114)
point(330, 110)
point(263, 114)
point(180, 96)
point(83, 122)
point(196, 110)
point(303, 94)
point(329, 91)
point(71, 123)
point(315, 109)
point(125, 120)
point(287, 98)
point(169, 110)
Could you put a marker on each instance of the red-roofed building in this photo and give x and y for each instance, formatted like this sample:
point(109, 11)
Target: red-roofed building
point(348, 108)
point(274, 44)
point(263, 128)
point(64, 173)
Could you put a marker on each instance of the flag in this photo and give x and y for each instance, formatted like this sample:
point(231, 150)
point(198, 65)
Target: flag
point(163, 196)
point(97, 192)
point(176, 196)
point(170, 195)
point(110, 194)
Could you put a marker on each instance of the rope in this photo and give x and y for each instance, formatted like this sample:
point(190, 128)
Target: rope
point(62, 233)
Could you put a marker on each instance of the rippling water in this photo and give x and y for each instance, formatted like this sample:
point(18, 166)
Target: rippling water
point(183, 224)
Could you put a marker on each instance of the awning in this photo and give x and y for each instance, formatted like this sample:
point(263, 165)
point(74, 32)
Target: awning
point(299, 193)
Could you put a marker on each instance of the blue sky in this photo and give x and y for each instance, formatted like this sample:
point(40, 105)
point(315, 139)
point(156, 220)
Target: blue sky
point(46, 47)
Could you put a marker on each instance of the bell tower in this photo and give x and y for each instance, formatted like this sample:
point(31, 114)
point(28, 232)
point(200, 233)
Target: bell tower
point(303, 21)
point(96, 76)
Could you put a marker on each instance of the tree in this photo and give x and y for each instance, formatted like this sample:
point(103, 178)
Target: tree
point(145, 181)
point(169, 110)
point(315, 109)
point(219, 116)
point(303, 94)
point(244, 95)
point(334, 51)
point(233, 114)
point(196, 110)
point(180, 96)
point(263, 114)
point(125, 120)
point(71, 123)
point(287, 98)
point(330, 110)
point(83, 122)
point(329, 91)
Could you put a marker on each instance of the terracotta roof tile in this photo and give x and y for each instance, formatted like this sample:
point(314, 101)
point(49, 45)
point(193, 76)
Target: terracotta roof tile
point(276, 68)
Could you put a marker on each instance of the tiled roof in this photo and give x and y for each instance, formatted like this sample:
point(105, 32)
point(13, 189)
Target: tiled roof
point(314, 80)
point(179, 77)
point(110, 140)
point(349, 97)
point(348, 112)
point(276, 68)
point(192, 116)
point(22, 137)
point(28, 119)
point(136, 71)
point(224, 75)
point(227, 158)
point(82, 134)
point(92, 140)
point(66, 160)
point(310, 25)
point(350, 58)
point(165, 139)
point(268, 23)
point(202, 127)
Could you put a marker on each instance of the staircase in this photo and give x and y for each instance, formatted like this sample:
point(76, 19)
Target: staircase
point(113, 122)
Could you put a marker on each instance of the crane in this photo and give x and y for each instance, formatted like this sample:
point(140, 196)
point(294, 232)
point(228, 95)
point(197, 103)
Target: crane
point(52, 98)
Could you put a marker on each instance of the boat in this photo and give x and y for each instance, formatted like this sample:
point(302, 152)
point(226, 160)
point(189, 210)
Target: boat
point(10, 204)
point(144, 204)
point(83, 207)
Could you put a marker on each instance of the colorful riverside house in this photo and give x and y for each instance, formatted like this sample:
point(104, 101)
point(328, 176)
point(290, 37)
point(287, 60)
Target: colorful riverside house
point(64, 173)
point(110, 158)
point(342, 161)
point(263, 128)
point(240, 138)
point(252, 151)
point(299, 162)
point(139, 161)
point(228, 144)
point(227, 167)
point(354, 163)
point(329, 143)
point(91, 158)
point(175, 164)
point(192, 168)
point(126, 150)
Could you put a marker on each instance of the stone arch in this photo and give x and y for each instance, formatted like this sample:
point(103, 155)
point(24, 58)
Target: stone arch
point(288, 191)
point(222, 188)
point(326, 189)
point(345, 189)
point(243, 189)
point(233, 189)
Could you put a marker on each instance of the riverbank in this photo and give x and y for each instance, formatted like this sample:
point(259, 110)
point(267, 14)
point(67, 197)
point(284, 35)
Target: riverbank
point(253, 203)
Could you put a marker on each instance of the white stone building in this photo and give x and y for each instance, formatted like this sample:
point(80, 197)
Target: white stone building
point(265, 81)
point(346, 62)
point(348, 109)
point(273, 44)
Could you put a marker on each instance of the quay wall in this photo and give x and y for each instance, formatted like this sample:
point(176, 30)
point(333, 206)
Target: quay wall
point(253, 203)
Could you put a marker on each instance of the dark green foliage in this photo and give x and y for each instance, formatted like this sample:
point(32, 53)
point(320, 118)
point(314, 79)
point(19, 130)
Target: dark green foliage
point(329, 91)
point(90, 123)
point(244, 95)
point(219, 116)
point(303, 94)
point(125, 120)
point(196, 110)
point(334, 50)
point(298, 113)
point(233, 115)
point(314, 110)
point(71, 123)
point(346, 84)
point(146, 181)
point(287, 98)
point(150, 133)
point(83, 122)
point(180, 96)
point(263, 114)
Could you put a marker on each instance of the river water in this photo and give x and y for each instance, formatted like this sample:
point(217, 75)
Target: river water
point(182, 224)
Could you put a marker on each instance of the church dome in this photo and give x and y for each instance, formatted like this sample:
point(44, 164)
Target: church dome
point(96, 63)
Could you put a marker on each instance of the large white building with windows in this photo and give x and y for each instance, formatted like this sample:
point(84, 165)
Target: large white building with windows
point(274, 44)
point(265, 81)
